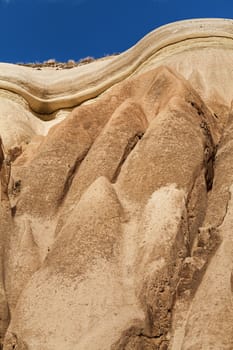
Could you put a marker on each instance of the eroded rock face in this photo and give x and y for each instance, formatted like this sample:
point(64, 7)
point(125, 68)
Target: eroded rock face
point(116, 213)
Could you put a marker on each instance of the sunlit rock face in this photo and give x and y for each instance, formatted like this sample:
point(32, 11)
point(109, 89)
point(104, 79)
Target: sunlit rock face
point(116, 197)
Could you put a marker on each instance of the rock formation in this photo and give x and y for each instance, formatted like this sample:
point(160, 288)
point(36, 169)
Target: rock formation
point(116, 208)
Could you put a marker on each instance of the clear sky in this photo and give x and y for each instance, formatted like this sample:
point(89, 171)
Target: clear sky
point(37, 30)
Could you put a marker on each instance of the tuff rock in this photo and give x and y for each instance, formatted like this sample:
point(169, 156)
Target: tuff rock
point(116, 197)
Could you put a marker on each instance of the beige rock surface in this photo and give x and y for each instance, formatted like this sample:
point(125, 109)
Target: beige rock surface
point(116, 197)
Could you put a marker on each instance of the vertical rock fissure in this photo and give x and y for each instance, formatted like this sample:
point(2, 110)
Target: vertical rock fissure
point(128, 149)
point(70, 176)
point(191, 270)
point(5, 172)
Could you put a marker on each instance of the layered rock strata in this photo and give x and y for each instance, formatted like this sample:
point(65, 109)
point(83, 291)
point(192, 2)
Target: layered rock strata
point(116, 209)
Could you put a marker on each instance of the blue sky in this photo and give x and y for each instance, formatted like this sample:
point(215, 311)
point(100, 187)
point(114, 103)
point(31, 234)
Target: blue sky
point(37, 30)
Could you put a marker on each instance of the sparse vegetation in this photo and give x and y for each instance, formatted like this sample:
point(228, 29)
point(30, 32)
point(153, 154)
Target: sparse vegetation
point(53, 63)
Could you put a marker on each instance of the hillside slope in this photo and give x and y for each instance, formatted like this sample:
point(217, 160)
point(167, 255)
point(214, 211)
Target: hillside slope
point(116, 207)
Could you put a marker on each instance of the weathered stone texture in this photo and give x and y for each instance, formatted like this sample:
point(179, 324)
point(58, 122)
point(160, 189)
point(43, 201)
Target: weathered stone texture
point(116, 198)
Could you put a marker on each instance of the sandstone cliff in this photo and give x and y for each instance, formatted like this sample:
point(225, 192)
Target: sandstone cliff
point(116, 197)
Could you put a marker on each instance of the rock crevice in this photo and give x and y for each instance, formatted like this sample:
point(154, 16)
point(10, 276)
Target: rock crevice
point(116, 215)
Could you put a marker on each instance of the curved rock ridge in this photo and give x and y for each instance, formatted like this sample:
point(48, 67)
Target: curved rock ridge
point(116, 215)
point(47, 93)
point(46, 96)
